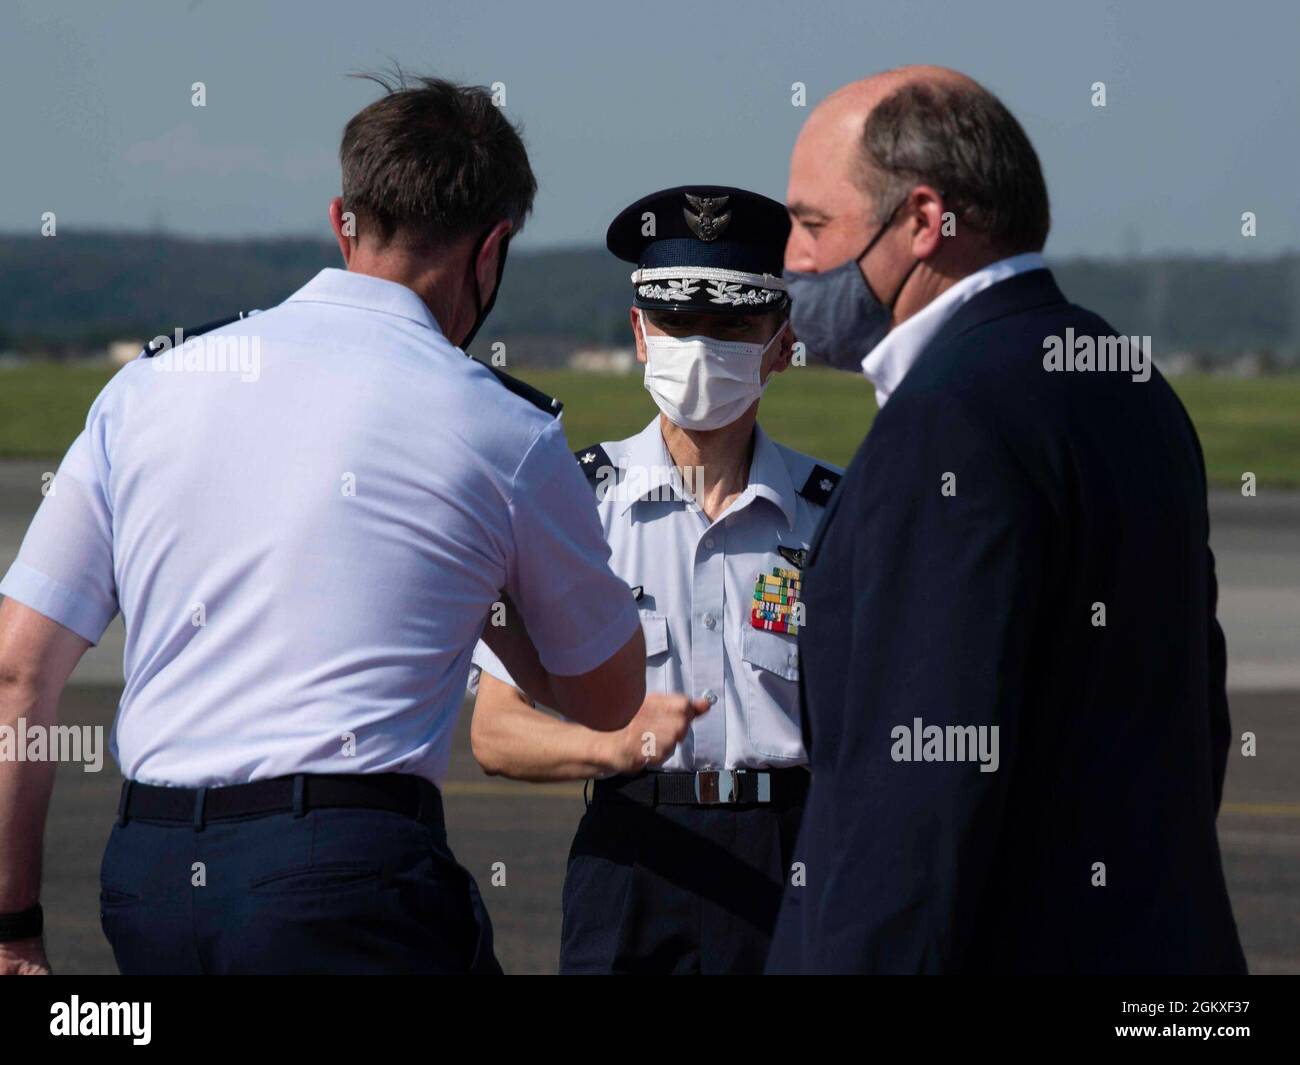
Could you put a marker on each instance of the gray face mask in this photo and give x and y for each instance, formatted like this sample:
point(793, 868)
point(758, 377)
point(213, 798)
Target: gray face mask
point(835, 315)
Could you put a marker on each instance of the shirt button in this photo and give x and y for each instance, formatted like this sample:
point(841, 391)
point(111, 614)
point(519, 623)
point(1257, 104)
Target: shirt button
point(709, 543)
point(709, 621)
point(710, 696)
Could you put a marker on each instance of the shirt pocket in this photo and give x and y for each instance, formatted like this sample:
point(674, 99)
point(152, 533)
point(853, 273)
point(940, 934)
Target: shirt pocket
point(774, 652)
point(655, 629)
point(771, 711)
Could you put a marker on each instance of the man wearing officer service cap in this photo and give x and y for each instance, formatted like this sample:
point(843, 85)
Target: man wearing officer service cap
point(680, 859)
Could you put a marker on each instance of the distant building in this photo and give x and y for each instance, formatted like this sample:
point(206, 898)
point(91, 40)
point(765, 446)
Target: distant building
point(1251, 364)
point(121, 352)
point(1178, 363)
point(603, 360)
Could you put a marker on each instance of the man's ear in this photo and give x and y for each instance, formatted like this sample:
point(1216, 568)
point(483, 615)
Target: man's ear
point(634, 318)
point(784, 349)
point(489, 253)
point(925, 210)
point(344, 229)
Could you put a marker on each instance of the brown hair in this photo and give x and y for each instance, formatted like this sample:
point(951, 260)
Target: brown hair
point(432, 160)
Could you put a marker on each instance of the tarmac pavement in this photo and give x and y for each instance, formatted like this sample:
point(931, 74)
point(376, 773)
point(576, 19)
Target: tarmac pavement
point(528, 828)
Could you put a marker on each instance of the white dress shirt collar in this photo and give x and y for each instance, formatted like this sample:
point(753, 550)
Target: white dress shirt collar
point(769, 476)
point(888, 362)
point(371, 293)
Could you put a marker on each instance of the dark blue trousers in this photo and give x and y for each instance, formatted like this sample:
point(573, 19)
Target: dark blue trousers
point(330, 891)
point(675, 889)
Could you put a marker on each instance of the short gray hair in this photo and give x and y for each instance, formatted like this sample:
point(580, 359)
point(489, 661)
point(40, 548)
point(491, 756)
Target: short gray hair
point(962, 140)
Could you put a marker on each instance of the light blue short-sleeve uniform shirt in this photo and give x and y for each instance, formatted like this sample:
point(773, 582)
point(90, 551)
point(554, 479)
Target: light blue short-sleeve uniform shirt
point(305, 536)
point(696, 581)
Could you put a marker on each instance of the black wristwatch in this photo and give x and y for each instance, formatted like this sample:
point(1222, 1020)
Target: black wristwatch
point(25, 924)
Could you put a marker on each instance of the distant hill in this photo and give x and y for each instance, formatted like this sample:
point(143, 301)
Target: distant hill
point(77, 291)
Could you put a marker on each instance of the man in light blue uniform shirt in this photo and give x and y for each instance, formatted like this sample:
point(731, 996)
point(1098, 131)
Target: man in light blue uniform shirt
point(305, 517)
point(680, 859)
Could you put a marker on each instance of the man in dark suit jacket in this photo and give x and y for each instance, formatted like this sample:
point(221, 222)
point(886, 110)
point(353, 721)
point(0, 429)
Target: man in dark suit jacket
point(1013, 677)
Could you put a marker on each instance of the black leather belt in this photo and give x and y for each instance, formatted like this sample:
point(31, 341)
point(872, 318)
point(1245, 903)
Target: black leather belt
point(709, 787)
point(396, 792)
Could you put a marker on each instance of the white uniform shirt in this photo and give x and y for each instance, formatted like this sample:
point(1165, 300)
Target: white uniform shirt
point(888, 362)
point(697, 580)
point(306, 549)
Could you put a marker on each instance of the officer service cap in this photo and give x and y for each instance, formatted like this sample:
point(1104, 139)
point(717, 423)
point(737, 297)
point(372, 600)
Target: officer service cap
point(710, 248)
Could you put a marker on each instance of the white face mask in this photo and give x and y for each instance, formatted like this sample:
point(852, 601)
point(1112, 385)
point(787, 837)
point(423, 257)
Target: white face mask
point(703, 383)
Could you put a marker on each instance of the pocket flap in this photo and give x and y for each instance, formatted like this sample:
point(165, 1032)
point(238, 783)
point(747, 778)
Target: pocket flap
point(655, 627)
point(771, 651)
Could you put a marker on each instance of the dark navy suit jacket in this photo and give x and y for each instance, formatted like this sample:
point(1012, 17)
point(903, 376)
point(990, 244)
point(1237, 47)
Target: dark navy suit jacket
point(1092, 848)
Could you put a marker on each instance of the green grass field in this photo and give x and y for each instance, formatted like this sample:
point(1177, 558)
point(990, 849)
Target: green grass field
point(1244, 424)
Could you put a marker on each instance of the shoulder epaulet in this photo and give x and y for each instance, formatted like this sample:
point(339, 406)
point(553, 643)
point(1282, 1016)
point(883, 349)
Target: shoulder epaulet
point(160, 344)
point(592, 461)
point(820, 484)
point(524, 390)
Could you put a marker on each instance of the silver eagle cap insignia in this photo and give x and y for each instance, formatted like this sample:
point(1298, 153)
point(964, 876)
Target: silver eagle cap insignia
point(705, 221)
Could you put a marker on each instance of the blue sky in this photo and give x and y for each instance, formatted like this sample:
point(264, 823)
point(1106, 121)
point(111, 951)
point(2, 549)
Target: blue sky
point(1202, 119)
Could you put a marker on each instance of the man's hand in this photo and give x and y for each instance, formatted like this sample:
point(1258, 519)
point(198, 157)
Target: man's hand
point(650, 737)
point(512, 738)
point(24, 957)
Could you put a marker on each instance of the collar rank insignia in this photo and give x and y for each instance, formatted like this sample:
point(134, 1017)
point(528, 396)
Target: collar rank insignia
point(820, 484)
point(596, 466)
point(776, 595)
point(796, 556)
point(704, 222)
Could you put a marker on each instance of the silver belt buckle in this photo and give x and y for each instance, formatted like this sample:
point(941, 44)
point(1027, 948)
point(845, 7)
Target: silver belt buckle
point(714, 786)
